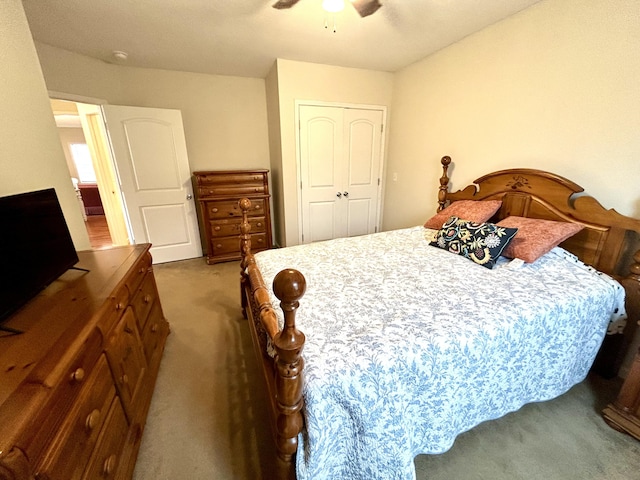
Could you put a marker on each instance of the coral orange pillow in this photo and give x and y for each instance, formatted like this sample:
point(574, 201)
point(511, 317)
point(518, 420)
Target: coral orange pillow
point(536, 237)
point(477, 211)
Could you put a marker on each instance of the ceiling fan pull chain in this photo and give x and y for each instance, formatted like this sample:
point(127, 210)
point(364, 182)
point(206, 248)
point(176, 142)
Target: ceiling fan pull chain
point(335, 24)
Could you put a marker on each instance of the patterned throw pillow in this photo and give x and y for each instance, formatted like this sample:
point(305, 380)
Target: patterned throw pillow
point(481, 243)
point(536, 236)
point(472, 210)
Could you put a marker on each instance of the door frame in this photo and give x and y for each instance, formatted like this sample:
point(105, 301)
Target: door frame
point(318, 103)
point(115, 212)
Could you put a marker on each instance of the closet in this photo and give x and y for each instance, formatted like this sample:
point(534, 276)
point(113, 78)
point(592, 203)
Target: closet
point(340, 171)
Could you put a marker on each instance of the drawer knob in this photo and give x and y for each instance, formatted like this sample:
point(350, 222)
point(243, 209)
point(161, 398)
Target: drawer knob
point(260, 240)
point(124, 379)
point(141, 270)
point(109, 465)
point(210, 192)
point(92, 420)
point(128, 329)
point(78, 375)
point(217, 229)
point(219, 245)
point(147, 298)
point(257, 207)
point(119, 306)
point(214, 210)
point(154, 328)
point(259, 224)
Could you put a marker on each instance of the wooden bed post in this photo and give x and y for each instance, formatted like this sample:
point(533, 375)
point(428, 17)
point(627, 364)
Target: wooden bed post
point(289, 286)
point(284, 372)
point(245, 250)
point(444, 183)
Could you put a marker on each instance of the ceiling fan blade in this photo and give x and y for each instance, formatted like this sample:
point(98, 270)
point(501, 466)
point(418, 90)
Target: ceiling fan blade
point(280, 4)
point(366, 7)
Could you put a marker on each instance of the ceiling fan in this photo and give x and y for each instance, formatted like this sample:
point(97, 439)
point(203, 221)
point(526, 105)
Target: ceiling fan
point(363, 7)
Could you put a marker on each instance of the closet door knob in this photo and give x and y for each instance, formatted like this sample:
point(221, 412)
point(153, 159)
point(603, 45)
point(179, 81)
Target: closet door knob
point(339, 194)
point(346, 194)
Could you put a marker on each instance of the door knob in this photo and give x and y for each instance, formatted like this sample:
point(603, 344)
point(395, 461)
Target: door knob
point(338, 194)
point(189, 197)
point(346, 194)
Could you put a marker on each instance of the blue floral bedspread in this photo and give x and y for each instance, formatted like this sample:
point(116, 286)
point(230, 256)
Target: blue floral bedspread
point(409, 345)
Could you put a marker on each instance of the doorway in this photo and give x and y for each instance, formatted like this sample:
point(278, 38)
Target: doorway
point(143, 178)
point(82, 172)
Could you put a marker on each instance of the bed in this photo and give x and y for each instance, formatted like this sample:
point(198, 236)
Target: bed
point(379, 376)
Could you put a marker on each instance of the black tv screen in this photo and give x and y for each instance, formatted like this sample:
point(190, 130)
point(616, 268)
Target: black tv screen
point(35, 247)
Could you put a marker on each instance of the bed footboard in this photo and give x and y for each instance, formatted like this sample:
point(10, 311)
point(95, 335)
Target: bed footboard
point(283, 373)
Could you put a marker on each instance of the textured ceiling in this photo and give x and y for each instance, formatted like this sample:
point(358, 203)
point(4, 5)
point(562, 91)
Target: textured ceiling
point(244, 37)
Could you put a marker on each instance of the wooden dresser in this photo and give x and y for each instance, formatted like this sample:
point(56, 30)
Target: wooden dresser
point(75, 387)
point(218, 195)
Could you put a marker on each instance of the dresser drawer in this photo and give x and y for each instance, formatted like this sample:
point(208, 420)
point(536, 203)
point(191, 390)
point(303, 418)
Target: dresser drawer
point(225, 245)
point(144, 297)
point(226, 178)
point(107, 456)
point(228, 227)
point(78, 434)
point(230, 190)
point(126, 359)
point(113, 309)
point(154, 335)
point(229, 245)
point(138, 272)
point(230, 208)
point(66, 382)
point(259, 242)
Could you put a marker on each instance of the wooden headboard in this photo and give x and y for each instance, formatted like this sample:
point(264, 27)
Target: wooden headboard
point(609, 240)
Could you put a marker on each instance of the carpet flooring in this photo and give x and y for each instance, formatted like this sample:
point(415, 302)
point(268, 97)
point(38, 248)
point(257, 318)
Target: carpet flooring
point(207, 417)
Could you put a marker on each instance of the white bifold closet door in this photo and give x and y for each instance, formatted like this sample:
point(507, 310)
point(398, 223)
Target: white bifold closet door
point(341, 170)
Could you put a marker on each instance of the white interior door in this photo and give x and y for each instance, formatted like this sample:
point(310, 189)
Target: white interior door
point(150, 153)
point(340, 170)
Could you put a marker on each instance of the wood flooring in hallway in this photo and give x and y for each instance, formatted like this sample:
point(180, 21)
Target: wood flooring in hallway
point(98, 231)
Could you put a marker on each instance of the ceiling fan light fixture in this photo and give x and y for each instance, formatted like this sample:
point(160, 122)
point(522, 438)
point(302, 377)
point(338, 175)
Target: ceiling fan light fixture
point(333, 6)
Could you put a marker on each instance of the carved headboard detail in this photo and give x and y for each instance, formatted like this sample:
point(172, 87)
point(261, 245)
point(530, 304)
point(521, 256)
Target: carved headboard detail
point(609, 239)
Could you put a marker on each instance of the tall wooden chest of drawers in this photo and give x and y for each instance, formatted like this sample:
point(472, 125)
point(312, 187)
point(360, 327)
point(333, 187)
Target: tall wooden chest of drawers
point(218, 195)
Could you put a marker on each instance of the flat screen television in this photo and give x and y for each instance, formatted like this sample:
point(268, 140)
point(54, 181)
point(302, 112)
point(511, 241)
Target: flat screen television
point(35, 247)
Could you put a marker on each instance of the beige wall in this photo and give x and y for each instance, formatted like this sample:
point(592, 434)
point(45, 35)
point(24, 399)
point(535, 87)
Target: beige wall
point(69, 136)
point(554, 87)
point(31, 156)
point(78, 75)
point(225, 118)
point(310, 81)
